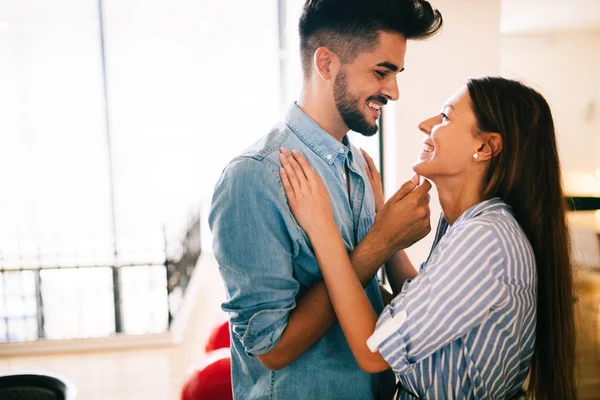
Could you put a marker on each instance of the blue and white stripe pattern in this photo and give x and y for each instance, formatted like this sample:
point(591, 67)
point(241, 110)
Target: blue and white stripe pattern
point(470, 313)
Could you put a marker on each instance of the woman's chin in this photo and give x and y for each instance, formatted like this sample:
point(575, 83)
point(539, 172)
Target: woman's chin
point(420, 168)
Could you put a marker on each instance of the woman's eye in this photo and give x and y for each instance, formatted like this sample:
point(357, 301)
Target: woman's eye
point(444, 117)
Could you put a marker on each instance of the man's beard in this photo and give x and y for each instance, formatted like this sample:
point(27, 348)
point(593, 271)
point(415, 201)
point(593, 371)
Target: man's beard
point(349, 108)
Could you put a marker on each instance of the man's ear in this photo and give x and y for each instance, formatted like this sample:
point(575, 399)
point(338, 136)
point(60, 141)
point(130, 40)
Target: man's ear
point(490, 147)
point(326, 63)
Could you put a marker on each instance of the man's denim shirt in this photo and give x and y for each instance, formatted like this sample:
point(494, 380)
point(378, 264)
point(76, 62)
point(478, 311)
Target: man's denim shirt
point(267, 261)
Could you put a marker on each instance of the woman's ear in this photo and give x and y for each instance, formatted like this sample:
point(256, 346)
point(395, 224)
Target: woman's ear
point(491, 146)
point(494, 141)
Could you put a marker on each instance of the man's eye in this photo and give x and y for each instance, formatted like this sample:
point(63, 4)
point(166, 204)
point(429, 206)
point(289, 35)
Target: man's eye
point(381, 74)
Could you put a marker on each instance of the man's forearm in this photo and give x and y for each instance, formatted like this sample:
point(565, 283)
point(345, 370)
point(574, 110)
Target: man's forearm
point(398, 269)
point(314, 314)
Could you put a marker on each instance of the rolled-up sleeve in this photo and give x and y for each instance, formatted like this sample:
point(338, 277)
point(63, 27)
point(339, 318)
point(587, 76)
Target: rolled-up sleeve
point(456, 291)
point(250, 222)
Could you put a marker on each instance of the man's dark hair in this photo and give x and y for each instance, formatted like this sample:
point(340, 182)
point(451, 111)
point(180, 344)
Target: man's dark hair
point(350, 27)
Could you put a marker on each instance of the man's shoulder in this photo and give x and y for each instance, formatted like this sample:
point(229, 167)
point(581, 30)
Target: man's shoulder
point(268, 145)
point(258, 164)
point(248, 170)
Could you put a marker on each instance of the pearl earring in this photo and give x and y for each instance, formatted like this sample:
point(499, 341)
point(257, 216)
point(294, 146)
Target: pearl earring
point(476, 155)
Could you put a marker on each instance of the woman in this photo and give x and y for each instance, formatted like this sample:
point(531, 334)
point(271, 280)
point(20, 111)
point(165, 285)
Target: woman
point(493, 302)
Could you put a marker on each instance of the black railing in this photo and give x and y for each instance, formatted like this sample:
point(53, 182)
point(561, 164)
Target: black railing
point(180, 266)
point(45, 301)
point(583, 203)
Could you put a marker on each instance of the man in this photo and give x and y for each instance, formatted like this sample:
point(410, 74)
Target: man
point(285, 341)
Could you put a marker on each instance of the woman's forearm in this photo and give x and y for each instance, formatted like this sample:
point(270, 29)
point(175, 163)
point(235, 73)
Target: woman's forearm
point(350, 302)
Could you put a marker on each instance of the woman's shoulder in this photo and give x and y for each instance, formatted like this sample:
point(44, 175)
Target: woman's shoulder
point(508, 240)
point(499, 222)
point(494, 225)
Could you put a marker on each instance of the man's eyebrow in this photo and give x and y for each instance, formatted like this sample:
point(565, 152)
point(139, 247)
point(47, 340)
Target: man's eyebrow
point(391, 66)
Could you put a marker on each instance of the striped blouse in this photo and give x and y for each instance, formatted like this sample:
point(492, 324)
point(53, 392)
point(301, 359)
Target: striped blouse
point(464, 327)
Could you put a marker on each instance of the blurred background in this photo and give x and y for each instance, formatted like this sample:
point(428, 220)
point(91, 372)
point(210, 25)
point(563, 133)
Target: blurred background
point(117, 117)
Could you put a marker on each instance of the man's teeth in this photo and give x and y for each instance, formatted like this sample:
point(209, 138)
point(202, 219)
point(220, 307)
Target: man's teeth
point(427, 148)
point(374, 106)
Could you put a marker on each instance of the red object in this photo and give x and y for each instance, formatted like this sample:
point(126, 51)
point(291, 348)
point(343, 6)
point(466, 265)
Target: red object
point(219, 338)
point(211, 380)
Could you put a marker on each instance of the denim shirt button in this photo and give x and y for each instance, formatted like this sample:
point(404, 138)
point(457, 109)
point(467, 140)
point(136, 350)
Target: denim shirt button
point(329, 156)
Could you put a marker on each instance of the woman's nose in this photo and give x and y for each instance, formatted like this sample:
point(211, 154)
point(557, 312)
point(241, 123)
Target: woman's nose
point(425, 126)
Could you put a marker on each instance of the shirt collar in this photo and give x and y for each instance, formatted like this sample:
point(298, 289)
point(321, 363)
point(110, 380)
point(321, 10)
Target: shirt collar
point(483, 207)
point(472, 212)
point(313, 136)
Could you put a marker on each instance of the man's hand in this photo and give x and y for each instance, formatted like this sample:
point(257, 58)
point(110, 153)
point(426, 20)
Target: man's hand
point(404, 219)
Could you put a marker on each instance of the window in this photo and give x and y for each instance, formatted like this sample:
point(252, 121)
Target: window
point(188, 85)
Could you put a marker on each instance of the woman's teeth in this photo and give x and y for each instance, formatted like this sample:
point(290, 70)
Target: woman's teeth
point(427, 148)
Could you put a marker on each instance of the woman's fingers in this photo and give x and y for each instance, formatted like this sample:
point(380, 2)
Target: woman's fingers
point(367, 163)
point(369, 175)
point(287, 185)
point(309, 172)
point(371, 164)
point(297, 167)
point(290, 172)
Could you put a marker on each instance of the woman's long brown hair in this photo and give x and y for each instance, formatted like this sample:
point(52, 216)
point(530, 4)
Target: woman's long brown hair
point(526, 175)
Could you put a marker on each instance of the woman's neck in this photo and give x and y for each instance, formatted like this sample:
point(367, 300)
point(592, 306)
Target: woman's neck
point(457, 197)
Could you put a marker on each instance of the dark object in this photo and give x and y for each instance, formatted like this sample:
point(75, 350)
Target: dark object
point(583, 203)
point(35, 387)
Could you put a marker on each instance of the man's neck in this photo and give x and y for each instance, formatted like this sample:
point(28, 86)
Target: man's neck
point(324, 113)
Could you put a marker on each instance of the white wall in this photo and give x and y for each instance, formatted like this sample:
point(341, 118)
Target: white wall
point(468, 45)
point(549, 15)
point(565, 67)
